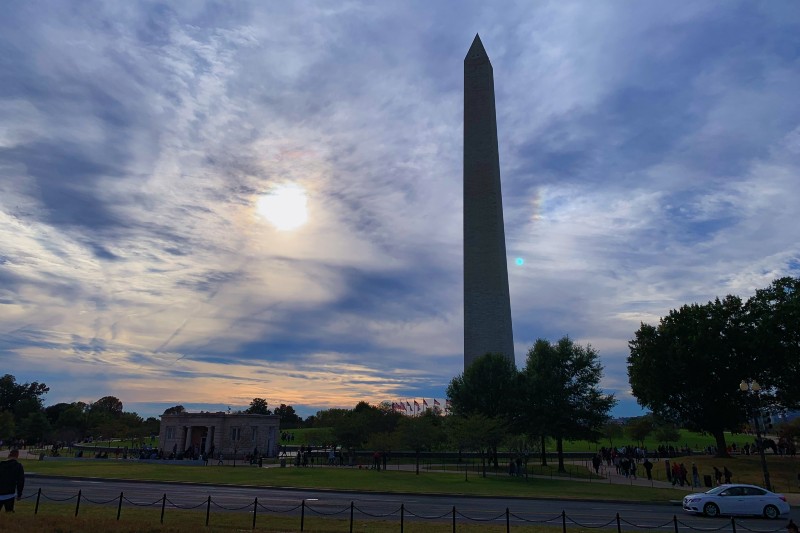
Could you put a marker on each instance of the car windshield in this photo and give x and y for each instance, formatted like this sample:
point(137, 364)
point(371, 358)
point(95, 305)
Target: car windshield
point(716, 490)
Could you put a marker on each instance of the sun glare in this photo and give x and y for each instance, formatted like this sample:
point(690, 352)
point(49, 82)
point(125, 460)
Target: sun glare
point(285, 207)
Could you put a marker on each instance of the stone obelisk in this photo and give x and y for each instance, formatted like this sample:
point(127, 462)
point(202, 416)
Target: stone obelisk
point(487, 306)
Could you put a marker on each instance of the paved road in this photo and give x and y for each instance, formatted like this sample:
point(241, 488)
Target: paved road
point(369, 505)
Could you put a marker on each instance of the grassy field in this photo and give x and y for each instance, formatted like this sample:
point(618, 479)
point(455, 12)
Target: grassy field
point(746, 469)
point(353, 479)
point(695, 441)
point(324, 436)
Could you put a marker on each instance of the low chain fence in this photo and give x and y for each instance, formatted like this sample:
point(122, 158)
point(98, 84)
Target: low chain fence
point(400, 514)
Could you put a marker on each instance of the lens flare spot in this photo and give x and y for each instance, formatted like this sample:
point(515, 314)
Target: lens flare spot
point(520, 261)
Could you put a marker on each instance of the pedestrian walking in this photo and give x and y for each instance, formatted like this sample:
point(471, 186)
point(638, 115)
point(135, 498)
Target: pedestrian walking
point(695, 476)
point(12, 481)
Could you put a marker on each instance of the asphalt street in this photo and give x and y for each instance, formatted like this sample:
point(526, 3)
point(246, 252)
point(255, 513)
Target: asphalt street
point(381, 505)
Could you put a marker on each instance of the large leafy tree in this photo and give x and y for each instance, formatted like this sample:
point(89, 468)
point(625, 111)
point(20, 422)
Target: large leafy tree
point(7, 425)
point(612, 431)
point(772, 318)
point(476, 432)
point(688, 368)
point(258, 406)
point(640, 428)
point(420, 433)
point(562, 394)
point(356, 427)
point(35, 427)
point(107, 405)
point(21, 398)
point(487, 387)
point(288, 416)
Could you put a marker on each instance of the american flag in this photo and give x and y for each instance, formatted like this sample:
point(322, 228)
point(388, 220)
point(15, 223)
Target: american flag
point(424, 402)
point(436, 402)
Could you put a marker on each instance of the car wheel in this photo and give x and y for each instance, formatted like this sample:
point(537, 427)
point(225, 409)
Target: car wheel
point(711, 509)
point(771, 512)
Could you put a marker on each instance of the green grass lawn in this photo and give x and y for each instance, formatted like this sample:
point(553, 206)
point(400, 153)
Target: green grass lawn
point(355, 479)
point(694, 440)
point(324, 436)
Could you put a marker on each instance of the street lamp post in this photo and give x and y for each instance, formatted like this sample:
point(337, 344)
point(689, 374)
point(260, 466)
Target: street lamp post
point(753, 388)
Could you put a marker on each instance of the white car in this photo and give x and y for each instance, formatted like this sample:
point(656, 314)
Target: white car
point(737, 500)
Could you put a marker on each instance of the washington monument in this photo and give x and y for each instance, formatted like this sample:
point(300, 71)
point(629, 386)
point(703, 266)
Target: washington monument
point(487, 307)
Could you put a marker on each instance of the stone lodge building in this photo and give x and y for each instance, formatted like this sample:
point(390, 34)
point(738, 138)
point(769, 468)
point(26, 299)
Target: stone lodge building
point(230, 434)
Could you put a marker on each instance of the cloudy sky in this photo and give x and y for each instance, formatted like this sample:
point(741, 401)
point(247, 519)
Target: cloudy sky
point(156, 160)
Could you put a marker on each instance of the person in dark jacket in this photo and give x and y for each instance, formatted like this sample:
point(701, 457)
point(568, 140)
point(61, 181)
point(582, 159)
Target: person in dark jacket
point(12, 481)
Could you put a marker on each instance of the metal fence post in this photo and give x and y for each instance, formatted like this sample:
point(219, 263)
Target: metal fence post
point(38, 496)
point(78, 503)
point(508, 521)
point(619, 526)
point(563, 520)
point(255, 510)
point(119, 507)
point(163, 506)
point(733, 524)
point(454, 519)
point(208, 509)
point(302, 514)
point(402, 516)
point(352, 506)
point(675, 522)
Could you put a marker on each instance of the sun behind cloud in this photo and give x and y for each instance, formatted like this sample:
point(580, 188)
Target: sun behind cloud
point(285, 206)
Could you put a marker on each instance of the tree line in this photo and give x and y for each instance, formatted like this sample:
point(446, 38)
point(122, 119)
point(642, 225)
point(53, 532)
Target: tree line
point(493, 405)
point(23, 416)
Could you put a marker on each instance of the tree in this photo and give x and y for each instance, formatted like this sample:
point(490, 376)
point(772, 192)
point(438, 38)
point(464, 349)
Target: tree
point(611, 431)
point(7, 425)
point(666, 432)
point(288, 416)
point(175, 410)
point(562, 394)
point(476, 432)
point(110, 405)
point(355, 428)
point(772, 316)
point(420, 433)
point(72, 422)
point(329, 417)
point(688, 369)
point(640, 428)
point(487, 387)
point(21, 398)
point(35, 427)
point(258, 407)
